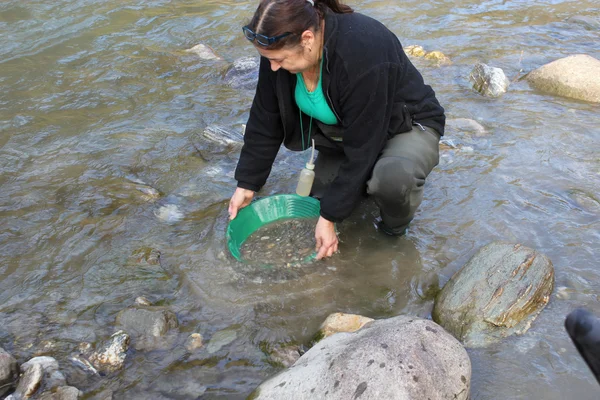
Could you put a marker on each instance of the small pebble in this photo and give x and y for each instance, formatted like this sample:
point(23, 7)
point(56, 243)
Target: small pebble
point(194, 342)
point(142, 301)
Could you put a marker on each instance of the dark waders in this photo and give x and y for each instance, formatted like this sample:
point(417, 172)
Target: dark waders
point(397, 180)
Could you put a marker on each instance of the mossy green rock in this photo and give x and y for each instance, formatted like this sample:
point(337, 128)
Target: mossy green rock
point(499, 292)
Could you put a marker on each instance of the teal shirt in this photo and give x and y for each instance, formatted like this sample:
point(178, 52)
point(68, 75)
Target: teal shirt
point(314, 103)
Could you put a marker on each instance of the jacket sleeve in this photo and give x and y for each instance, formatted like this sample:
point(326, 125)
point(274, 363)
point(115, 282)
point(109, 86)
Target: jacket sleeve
point(366, 110)
point(264, 133)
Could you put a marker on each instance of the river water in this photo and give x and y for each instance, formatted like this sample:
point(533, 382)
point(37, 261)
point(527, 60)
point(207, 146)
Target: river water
point(99, 100)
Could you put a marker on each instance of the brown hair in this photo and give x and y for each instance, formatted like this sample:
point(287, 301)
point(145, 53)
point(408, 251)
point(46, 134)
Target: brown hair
point(276, 17)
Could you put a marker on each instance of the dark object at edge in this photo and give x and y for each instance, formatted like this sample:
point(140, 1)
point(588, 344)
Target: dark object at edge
point(584, 329)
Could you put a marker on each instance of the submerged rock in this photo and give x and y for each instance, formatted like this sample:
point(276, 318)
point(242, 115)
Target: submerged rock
point(243, 73)
point(468, 126)
point(194, 342)
point(169, 213)
point(220, 135)
point(204, 52)
point(147, 255)
point(221, 339)
point(576, 76)
point(489, 81)
point(9, 371)
point(415, 51)
point(439, 57)
point(397, 358)
point(585, 21)
point(436, 55)
point(283, 354)
point(499, 292)
point(147, 325)
point(110, 356)
point(340, 322)
point(62, 393)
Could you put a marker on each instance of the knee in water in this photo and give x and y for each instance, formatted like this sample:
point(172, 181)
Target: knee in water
point(393, 178)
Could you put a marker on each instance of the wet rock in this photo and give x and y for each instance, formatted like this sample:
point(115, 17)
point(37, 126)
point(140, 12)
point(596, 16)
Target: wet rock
point(83, 363)
point(62, 393)
point(222, 136)
point(142, 301)
point(46, 347)
point(415, 51)
point(340, 322)
point(468, 126)
point(221, 339)
point(194, 342)
point(147, 325)
point(204, 52)
point(397, 358)
point(148, 255)
point(576, 76)
point(243, 73)
point(439, 57)
point(110, 356)
point(585, 21)
point(283, 354)
point(30, 381)
point(9, 371)
point(499, 292)
point(51, 376)
point(149, 193)
point(489, 81)
point(105, 394)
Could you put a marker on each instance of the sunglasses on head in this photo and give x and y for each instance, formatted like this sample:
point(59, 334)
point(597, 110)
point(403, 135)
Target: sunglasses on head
point(262, 39)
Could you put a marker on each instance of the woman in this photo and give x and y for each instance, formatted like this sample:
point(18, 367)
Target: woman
point(342, 79)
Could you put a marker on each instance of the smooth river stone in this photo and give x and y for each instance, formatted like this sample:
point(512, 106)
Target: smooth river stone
point(497, 293)
point(576, 76)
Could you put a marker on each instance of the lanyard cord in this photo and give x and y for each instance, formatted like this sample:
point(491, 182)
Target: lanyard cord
point(304, 147)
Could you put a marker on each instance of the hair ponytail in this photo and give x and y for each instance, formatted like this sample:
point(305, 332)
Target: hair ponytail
point(335, 6)
point(276, 17)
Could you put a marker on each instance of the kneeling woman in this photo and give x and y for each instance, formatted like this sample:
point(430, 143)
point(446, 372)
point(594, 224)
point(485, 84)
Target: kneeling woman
point(342, 79)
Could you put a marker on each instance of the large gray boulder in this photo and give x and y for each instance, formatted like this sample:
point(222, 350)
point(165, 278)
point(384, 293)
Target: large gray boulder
point(396, 358)
point(576, 76)
point(497, 293)
point(489, 81)
point(9, 372)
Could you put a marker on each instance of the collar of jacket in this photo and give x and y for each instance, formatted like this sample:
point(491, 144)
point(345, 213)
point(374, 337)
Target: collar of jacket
point(285, 84)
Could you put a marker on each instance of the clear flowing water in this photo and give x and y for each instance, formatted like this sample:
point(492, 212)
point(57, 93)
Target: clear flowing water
point(100, 101)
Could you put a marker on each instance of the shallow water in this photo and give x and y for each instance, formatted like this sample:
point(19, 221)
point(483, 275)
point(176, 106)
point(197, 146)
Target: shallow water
point(101, 102)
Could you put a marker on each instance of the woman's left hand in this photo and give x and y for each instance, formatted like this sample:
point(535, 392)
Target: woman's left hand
point(327, 240)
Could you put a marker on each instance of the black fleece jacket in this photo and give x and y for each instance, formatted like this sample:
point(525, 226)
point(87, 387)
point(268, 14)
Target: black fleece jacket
point(374, 91)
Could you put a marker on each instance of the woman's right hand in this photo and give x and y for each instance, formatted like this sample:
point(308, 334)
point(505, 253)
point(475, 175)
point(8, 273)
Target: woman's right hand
point(240, 199)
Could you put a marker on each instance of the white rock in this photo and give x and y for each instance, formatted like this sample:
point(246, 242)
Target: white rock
point(169, 213)
point(489, 81)
point(204, 52)
point(464, 125)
